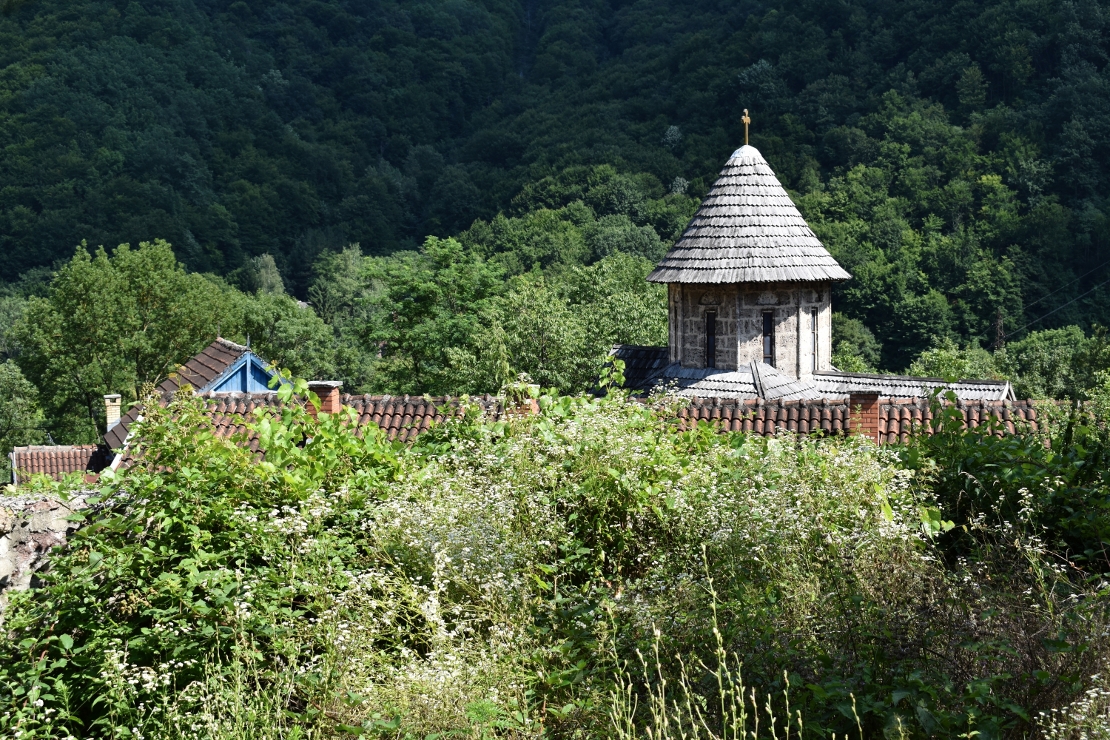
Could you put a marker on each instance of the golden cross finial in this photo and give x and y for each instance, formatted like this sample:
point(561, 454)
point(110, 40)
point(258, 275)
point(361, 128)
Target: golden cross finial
point(746, 119)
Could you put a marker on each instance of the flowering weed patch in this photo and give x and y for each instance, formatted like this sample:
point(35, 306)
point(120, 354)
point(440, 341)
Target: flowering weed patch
point(587, 571)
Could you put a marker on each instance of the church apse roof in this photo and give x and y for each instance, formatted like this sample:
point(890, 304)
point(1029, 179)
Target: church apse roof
point(748, 230)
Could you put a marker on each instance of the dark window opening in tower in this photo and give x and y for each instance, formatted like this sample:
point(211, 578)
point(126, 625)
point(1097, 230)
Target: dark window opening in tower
point(769, 338)
point(711, 339)
point(813, 326)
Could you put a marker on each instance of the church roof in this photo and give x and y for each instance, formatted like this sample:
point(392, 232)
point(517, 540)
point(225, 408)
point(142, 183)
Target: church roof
point(647, 367)
point(747, 230)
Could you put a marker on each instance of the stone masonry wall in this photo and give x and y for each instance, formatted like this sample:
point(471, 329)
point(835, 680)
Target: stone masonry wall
point(694, 301)
point(740, 325)
point(30, 526)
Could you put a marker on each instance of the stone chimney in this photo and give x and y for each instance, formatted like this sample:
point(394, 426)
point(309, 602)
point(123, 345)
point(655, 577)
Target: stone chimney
point(864, 411)
point(328, 393)
point(111, 409)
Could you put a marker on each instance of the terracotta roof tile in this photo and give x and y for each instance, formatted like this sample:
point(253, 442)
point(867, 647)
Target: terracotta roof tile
point(898, 417)
point(404, 417)
point(58, 460)
point(197, 371)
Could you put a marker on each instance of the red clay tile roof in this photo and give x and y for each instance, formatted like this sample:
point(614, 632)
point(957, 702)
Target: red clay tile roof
point(897, 416)
point(402, 417)
point(197, 372)
point(58, 460)
point(405, 417)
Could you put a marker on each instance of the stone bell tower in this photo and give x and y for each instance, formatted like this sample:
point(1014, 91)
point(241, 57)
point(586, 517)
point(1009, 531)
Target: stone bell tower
point(749, 281)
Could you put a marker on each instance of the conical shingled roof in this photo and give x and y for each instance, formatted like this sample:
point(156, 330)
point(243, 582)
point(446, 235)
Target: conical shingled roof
point(747, 230)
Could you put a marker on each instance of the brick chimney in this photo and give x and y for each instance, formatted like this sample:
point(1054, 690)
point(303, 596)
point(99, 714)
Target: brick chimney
point(328, 393)
point(864, 411)
point(111, 409)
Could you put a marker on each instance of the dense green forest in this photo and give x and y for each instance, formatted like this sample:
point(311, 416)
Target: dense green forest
point(461, 197)
point(952, 156)
point(464, 191)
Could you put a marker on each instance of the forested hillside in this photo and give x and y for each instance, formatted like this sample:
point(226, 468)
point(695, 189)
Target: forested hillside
point(465, 196)
point(951, 155)
point(467, 190)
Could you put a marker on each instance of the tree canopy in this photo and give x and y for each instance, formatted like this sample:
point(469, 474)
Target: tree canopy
point(952, 156)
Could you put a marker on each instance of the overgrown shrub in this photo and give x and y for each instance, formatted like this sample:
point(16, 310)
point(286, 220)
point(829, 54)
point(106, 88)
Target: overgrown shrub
point(560, 573)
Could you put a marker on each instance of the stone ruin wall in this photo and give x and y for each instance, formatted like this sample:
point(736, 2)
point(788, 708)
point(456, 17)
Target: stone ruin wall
point(30, 526)
point(740, 324)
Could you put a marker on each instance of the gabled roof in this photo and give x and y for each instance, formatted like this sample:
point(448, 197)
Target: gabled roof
point(221, 367)
point(210, 364)
point(747, 230)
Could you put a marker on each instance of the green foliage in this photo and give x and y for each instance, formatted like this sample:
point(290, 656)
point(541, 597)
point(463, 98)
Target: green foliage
point(176, 570)
point(948, 155)
point(286, 334)
point(429, 302)
point(499, 577)
point(21, 421)
point(110, 324)
point(951, 363)
point(560, 331)
point(1057, 363)
point(855, 349)
point(259, 275)
point(113, 323)
point(1052, 485)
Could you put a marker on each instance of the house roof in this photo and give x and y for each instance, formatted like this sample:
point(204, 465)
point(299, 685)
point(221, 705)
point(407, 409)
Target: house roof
point(400, 417)
point(57, 460)
point(222, 367)
point(206, 366)
point(898, 417)
point(747, 230)
point(405, 417)
point(645, 369)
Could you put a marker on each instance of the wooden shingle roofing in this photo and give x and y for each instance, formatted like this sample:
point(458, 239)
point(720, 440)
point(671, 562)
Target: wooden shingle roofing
point(747, 230)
